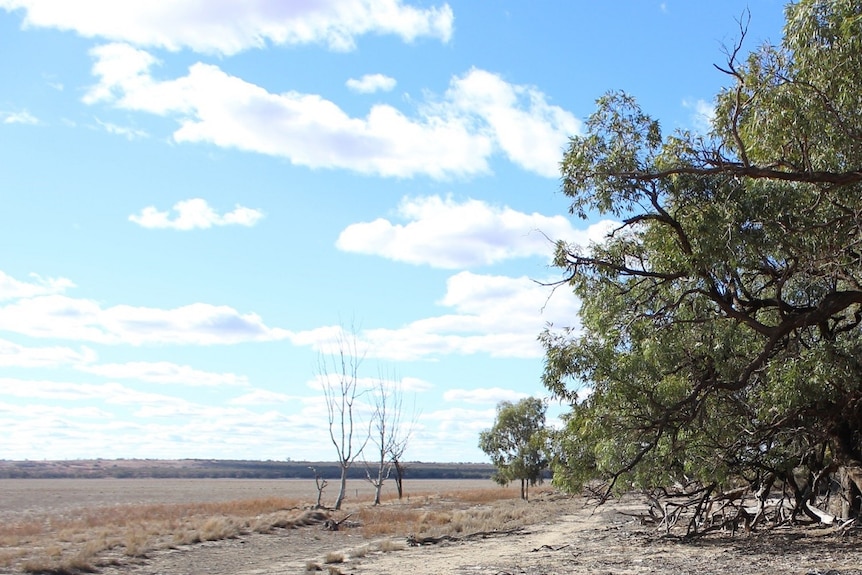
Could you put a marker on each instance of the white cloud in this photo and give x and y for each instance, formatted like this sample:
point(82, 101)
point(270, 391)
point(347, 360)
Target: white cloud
point(370, 83)
point(492, 395)
point(456, 136)
point(62, 317)
point(703, 116)
point(111, 393)
point(164, 372)
point(230, 26)
point(495, 315)
point(531, 132)
point(450, 431)
point(128, 133)
point(22, 117)
point(445, 233)
point(10, 288)
point(195, 213)
point(16, 355)
point(262, 397)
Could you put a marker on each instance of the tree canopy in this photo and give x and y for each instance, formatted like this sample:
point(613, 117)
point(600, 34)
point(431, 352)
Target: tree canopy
point(720, 322)
point(517, 443)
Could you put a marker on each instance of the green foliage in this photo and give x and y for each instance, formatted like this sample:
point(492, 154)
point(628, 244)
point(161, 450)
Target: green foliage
point(517, 442)
point(720, 320)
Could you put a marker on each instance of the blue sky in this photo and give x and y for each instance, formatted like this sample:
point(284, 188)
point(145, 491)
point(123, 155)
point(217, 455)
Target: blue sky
point(197, 197)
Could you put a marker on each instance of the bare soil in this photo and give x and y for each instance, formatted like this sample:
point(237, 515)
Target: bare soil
point(573, 537)
point(576, 538)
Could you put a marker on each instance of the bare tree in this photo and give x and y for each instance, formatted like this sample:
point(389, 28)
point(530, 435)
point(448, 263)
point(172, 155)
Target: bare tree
point(398, 464)
point(385, 432)
point(400, 438)
point(389, 435)
point(321, 484)
point(339, 374)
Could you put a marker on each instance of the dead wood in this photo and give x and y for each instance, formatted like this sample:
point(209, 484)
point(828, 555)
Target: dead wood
point(414, 541)
point(333, 525)
point(549, 548)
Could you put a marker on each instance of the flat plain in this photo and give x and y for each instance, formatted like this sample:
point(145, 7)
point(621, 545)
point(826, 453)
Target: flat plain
point(29, 497)
point(469, 526)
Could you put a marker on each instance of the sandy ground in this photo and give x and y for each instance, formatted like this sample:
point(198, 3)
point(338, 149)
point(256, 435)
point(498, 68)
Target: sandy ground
point(576, 538)
point(573, 537)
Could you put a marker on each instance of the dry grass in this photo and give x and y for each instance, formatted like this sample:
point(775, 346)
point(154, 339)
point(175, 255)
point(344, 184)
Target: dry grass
point(82, 541)
point(457, 512)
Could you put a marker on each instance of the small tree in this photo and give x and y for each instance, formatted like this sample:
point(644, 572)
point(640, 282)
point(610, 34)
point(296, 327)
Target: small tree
point(321, 484)
point(400, 468)
point(517, 443)
point(388, 434)
point(339, 373)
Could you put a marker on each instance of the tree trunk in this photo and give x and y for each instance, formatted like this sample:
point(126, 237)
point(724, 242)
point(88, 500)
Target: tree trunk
point(524, 489)
point(851, 487)
point(343, 489)
point(378, 485)
point(849, 458)
point(399, 477)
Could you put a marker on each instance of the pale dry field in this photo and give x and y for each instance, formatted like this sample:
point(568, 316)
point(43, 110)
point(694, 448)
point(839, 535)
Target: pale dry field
point(22, 497)
point(260, 527)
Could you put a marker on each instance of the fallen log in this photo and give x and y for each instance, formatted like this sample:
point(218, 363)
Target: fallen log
point(414, 541)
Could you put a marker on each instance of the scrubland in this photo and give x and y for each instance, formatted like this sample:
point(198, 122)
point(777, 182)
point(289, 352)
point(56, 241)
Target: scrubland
point(249, 527)
point(64, 538)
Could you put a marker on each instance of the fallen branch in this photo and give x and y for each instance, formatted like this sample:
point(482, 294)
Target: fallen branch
point(549, 548)
point(414, 541)
point(333, 525)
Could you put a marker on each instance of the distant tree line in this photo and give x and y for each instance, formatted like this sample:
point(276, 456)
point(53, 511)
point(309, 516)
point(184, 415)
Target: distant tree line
point(223, 469)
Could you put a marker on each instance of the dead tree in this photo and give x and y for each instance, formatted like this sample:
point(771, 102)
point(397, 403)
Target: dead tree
point(388, 435)
point(321, 484)
point(339, 374)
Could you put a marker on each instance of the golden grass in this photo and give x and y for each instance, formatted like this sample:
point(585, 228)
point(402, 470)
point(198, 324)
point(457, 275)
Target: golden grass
point(83, 541)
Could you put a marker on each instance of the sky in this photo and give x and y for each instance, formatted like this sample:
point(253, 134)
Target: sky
point(199, 199)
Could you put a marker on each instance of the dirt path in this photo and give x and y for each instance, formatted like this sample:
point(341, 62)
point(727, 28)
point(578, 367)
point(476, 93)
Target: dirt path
point(580, 540)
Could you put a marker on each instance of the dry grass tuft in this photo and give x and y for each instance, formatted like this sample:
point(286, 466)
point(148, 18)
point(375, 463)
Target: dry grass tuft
point(388, 545)
point(87, 539)
point(77, 542)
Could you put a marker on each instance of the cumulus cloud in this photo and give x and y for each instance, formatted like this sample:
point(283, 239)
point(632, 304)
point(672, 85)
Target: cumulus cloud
point(164, 372)
point(10, 288)
point(262, 397)
point(195, 213)
point(492, 395)
point(22, 117)
point(530, 131)
point(455, 135)
point(62, 317)
point(126, 132)
point(15, 355)
point(111, 393)
point(230, 26)
point(703, 114)
point(451, 429)
point(370, 83)
point(451, 234)
point(496, 315)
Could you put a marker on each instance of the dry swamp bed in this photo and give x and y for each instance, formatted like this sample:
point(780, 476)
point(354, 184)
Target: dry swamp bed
point(551, 534)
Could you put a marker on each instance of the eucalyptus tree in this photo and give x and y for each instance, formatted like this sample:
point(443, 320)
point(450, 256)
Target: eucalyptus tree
point(720, 324)
point(517, 443)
